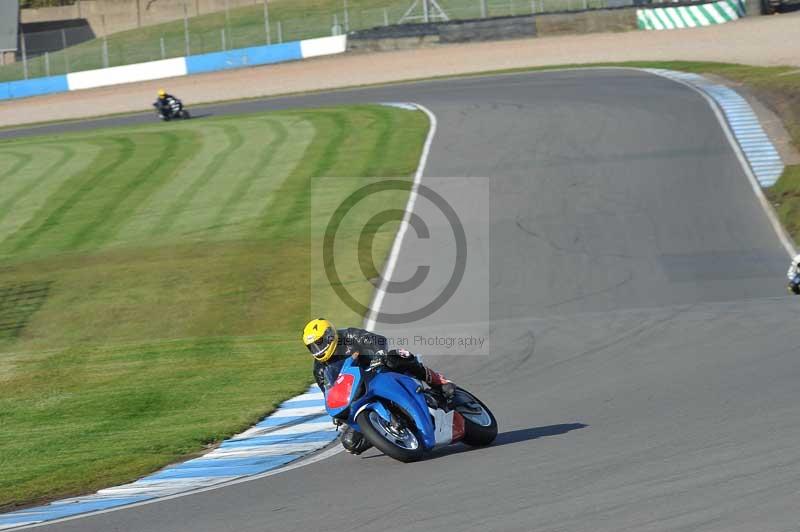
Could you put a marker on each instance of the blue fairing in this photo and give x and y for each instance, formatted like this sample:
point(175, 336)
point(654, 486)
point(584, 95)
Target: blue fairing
point(386, 387)
point(400, 390)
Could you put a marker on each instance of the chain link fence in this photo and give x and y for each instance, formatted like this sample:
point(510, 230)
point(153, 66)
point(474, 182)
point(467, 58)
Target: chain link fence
point(56, 52)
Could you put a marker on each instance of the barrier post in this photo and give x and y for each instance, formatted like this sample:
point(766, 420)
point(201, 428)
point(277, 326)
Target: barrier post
point(105, 53)
point(228, 26)
point(64, 49)
point(24, 53)
point(222, 36)
point(186, 30)
point(346, 18)
point(163, 49)
point(47, 64)
point(266, 22)
point(280, 32)
point(385, 17)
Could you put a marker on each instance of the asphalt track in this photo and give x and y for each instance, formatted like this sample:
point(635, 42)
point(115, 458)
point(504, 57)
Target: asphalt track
point(643, 361)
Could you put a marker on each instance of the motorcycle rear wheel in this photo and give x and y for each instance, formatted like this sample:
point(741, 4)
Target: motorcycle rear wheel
point(480, 426)
point(399, 442)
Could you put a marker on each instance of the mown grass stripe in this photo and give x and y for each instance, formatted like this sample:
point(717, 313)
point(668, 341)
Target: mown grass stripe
point(22, 161)
point(263, 162)
point(111, 211)
point(67, 154)
point(183, 146)
point(291, 198)
point(377, 159)
point(235, 141)
point(299, 207)
point(125, 150)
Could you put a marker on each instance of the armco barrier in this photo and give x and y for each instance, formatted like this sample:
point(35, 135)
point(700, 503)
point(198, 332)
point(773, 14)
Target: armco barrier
point(323, 46)
point(679, 17)
point(88, 79)
point(242, 57)
point(179, 66)
point(33, 87)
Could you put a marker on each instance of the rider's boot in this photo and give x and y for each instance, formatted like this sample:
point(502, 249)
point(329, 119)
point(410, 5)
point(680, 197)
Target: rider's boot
point(354, 442)
point(438, 381)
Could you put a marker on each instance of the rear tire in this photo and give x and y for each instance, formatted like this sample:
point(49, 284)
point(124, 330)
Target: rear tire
point(476, 433)
point(185, 115)
point(378, 432)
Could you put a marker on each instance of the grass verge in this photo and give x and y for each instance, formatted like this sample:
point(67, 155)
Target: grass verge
point(153, 280)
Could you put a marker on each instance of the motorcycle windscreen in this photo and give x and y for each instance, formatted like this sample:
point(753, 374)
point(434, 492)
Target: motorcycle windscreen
point(340, 394)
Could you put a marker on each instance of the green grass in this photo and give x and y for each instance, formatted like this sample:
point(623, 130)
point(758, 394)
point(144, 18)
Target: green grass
point(153, 281)
point(299, 19)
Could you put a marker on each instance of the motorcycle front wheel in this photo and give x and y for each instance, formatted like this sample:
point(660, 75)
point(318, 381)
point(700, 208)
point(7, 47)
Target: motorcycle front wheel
point(395, 439)
point(480, 426)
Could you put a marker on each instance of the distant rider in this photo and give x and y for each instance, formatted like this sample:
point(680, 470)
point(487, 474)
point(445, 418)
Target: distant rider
point(794, 270)
point(164, 102)
point(331, 347)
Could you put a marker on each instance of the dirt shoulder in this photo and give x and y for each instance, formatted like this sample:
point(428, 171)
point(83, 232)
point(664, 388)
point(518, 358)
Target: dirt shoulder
point(762, 41)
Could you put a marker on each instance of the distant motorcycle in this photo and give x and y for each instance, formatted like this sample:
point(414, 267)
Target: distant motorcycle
point(402, 416)
point(794, 285)
point(171, 109)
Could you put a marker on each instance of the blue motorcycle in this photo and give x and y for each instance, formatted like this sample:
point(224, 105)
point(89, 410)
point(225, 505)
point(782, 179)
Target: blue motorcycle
point(402, 416)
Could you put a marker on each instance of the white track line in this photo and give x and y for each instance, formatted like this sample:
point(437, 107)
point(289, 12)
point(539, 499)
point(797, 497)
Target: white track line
point(391, 263)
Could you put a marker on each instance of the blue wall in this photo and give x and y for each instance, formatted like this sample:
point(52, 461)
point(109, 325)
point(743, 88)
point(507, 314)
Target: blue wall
point(241, 57)
point(33, 87)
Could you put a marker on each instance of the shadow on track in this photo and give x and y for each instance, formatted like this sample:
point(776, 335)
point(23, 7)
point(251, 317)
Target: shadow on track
point(503, 438)
point(516, 436)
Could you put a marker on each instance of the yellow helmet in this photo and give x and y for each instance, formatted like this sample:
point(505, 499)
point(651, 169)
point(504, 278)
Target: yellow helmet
point(320, 338)
point(162, 93)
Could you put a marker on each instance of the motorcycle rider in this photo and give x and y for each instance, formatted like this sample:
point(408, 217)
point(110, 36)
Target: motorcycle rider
point(794, 270)
point(331, 347)
point(164, 102)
